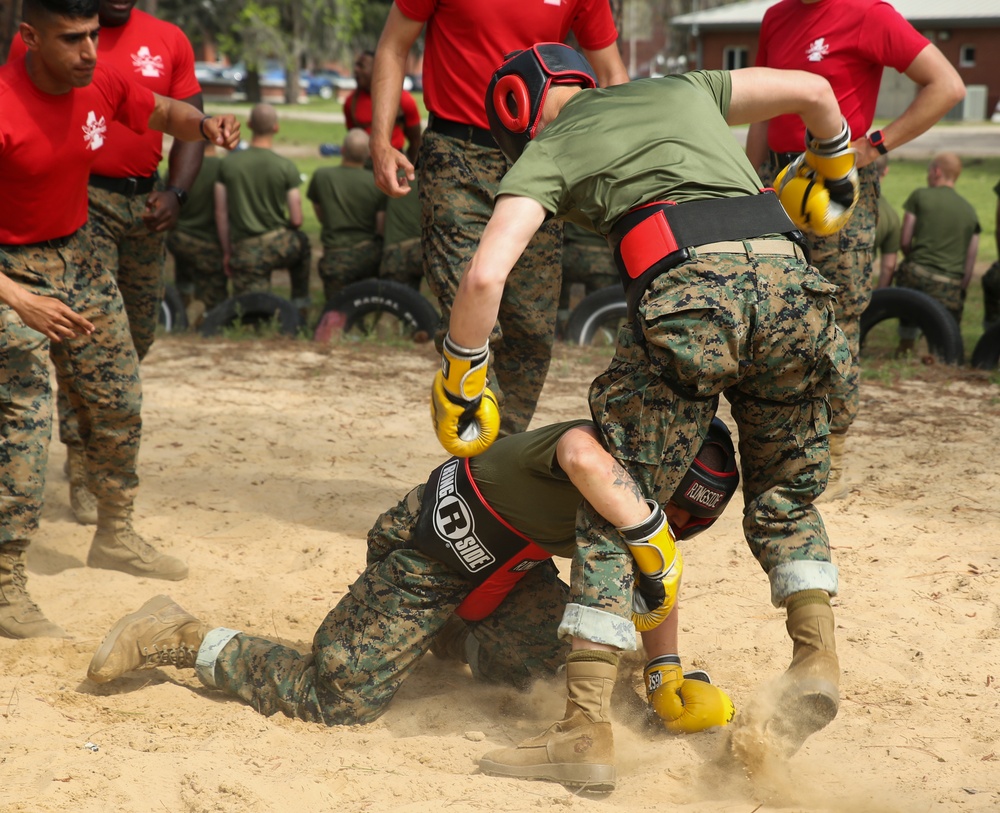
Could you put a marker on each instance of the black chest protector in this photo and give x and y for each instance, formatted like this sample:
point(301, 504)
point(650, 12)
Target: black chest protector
point(458, 527)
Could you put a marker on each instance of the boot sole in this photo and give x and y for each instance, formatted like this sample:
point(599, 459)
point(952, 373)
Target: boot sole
point(151, 607)
point(810, 708)
point(597, 778)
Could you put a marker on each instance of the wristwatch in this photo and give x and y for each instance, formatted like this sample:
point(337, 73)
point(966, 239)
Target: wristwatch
point(877, 140)
point(182, 194)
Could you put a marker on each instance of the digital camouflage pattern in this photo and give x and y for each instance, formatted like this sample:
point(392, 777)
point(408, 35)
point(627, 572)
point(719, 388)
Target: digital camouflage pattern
point(199, 263)
point(761, 330)
point(340, 267)
point(99, 373)
point(845, 259)
point(370, 642)
point(403, 262)
point(133, 254)
point(253, 259)
point(457, 183)
point(947, 291)
point(593, 266)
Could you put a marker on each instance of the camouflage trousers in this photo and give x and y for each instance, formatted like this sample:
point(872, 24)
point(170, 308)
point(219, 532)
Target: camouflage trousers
point(199, 271)
point(340, 267)
point(946, 290)
point(845, 259)
point(371, 641)
point(403, 262)
point(592, 266)
point(761, 329)
point(991, 295)
point(457, 185)
point(254, 258)
point(99, 373)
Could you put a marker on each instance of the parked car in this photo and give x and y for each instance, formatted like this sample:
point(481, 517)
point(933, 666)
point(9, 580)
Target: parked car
point(327, 83)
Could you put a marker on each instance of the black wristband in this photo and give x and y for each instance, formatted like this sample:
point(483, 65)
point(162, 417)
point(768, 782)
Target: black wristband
point(201, 127)
point(877, 140)
point(182, 194)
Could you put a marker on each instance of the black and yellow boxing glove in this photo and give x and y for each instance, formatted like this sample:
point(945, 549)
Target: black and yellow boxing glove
point(464, 410)
point(686, 705)
point(660, 567)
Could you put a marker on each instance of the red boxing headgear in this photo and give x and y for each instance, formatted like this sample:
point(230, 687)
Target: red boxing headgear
point(516, 94)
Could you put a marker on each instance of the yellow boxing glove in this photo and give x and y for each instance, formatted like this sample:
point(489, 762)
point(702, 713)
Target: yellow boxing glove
point(660, 567)
point(464, 410)
point(812, 203)
point(686, 705)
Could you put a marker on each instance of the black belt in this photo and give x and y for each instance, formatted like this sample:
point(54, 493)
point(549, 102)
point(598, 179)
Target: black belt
point(650, 240)
point(55, 242)
point(125, 186)
point(783, 159)
point(479, 136)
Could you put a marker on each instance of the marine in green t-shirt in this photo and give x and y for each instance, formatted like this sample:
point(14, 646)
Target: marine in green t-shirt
point(257, 182)
point(351, 212)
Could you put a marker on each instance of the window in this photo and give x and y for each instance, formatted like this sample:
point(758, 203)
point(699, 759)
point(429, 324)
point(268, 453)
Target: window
point(967, 56)
point(735, 57)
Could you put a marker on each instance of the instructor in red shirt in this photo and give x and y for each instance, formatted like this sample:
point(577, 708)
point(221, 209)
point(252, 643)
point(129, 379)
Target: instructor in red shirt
point(849, 42)
point(59, 106)
point(461, 166)
point(131, 207)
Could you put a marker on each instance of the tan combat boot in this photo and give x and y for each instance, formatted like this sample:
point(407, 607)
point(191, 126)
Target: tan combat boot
point(579, 750)
point(81, 499)
point(836, 485)
point(809, 698)
point(19, 615)
point(117, 546)
point(159, 633)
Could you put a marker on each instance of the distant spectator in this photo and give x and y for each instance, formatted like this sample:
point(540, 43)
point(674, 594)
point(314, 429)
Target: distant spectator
point(887, 229)
point(198, 265)
point(358, 109)
point(402, 256)
point(258, 213)
point(351, 212)
point(940, 239)
point(991, 279)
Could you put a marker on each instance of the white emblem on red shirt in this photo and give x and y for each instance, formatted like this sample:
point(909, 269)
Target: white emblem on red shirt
point(147, 64)
point(817, 50)
point(94, 130)
point(553, 2)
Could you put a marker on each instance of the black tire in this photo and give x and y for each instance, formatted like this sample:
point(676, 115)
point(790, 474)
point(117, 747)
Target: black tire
point(365, 305)
point(986, 355)
point(172, 316)
point(254, 310)
point(944, 339)
point(597, 318)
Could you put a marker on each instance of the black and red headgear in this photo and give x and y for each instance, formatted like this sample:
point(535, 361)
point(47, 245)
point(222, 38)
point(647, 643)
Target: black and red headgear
point(710, 483)
point(516, 95)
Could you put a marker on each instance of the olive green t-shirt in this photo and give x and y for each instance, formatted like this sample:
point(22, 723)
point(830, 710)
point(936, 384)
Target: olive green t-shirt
point(257, 181)
point(197, 216)
point(612, 149)
point(945, 224)
point(349, 201)
point(402, 217)
point(521, 480)
point(888, 230)
point(581, 236)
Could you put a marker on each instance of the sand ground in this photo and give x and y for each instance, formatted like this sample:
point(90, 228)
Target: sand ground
point(264, 463)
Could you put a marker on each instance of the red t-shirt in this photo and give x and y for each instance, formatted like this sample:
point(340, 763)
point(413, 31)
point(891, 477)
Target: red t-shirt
point(846, 41)
point(48, 144)
point(158, 56)
point(358, 113)
point(466, 40)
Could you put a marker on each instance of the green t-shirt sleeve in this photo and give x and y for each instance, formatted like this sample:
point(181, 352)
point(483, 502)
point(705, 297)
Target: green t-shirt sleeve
point(912, 202)
point(717, 84)
point(311, 191)
point(996, 189)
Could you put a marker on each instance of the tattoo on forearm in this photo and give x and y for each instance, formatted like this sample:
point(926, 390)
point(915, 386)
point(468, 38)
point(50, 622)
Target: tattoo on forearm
point(624, 480)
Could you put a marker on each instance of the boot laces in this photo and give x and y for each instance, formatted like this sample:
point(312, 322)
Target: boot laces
point(179, 655)
point(19, 581)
